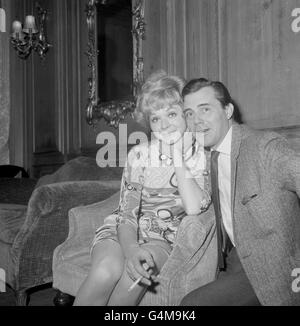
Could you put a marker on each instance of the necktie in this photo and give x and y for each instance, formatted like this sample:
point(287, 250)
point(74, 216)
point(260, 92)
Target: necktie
point(221, 233)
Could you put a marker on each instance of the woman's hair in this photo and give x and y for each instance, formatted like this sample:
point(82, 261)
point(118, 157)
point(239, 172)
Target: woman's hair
point(160, 90)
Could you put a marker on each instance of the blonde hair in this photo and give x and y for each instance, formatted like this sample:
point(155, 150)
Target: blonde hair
point(160, 90)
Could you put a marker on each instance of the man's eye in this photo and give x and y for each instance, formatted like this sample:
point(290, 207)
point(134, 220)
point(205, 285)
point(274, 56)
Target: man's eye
point(188, 114)
point(205, 110)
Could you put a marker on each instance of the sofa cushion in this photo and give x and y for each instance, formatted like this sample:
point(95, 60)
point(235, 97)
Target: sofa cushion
point(12, 217)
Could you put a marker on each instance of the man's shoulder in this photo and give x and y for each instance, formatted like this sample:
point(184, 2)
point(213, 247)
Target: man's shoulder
point(261, 143)
point(251, 135)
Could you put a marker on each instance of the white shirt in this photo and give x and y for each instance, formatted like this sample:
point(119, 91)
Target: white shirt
point(224, 176)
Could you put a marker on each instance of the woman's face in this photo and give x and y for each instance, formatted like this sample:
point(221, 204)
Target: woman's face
point(168, 124)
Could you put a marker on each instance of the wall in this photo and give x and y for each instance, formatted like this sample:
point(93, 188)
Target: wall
point(249, 45)
point(260, 60)
point(182, 37)
point(47, 101)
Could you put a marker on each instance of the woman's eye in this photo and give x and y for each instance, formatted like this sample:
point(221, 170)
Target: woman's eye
point(172, 114)
point(205, 110)
point(154, 120)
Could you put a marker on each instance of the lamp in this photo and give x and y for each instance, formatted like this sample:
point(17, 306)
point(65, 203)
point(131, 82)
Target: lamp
point(30, 37)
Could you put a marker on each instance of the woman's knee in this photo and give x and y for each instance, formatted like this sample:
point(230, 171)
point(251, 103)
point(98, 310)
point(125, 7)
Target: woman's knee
point(107, 271)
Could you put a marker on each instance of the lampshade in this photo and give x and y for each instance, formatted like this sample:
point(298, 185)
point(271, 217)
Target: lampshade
point(30, 24)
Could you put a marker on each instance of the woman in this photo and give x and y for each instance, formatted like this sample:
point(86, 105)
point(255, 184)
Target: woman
point(131, 247)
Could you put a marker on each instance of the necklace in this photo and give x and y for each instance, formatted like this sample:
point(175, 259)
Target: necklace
point(169, 160)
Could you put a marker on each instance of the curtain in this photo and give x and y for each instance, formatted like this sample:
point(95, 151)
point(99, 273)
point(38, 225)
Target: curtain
point(4, 96)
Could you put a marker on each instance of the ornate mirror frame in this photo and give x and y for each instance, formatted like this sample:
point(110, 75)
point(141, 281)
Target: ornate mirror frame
point(113, 112)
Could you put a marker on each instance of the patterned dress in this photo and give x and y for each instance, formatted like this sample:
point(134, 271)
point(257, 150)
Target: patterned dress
point(149, 198)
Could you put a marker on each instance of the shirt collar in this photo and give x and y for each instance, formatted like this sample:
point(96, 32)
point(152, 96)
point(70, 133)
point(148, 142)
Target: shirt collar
point(225, 146)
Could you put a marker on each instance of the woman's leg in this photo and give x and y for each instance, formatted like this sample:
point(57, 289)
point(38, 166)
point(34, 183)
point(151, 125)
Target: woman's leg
point(106, 269)
point(160, 252)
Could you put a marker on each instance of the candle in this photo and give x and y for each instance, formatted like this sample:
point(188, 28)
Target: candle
point(17, 27)
point(21, 36)
point(30, 24)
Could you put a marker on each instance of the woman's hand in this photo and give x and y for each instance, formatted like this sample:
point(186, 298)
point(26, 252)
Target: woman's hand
point(140, 263)
point(184, 146)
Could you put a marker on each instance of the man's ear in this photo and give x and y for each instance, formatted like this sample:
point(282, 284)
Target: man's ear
point(229, 108)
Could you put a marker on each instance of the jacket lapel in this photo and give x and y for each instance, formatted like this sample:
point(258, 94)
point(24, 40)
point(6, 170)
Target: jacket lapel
point(235, 149)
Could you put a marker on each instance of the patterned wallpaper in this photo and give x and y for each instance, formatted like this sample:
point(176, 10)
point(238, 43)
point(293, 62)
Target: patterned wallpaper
point(4, 98)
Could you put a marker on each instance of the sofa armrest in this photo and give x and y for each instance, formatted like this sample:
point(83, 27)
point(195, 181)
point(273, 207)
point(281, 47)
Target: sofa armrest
point(84, 220)
point(46, 223)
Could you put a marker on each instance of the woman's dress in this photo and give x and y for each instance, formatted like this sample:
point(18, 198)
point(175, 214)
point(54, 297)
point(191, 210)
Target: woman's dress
point(149, 197)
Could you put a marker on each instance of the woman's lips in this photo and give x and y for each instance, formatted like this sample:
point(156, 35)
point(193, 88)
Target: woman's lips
point(171, 134)
point(169, 137)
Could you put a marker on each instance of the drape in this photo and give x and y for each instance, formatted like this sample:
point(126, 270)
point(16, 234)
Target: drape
point(4, 97)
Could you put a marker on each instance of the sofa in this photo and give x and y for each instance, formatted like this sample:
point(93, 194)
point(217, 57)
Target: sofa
point(33, 225)
point(193, 261)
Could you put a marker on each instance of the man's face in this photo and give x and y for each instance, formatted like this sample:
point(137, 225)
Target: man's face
point(204, 113)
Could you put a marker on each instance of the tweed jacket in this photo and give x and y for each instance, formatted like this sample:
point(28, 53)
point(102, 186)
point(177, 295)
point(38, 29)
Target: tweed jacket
point(265, 192)
point(192, 263)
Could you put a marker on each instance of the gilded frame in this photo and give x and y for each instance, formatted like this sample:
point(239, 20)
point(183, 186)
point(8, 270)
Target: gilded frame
point(113, 112)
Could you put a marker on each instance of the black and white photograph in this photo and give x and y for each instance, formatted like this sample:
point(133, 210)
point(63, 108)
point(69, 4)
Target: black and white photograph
point(150, 156)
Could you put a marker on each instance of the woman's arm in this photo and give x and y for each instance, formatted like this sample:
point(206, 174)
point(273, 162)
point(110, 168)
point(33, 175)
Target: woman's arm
point(135, 255)
point(190, 179)
point(130, 198)
point(127, 227)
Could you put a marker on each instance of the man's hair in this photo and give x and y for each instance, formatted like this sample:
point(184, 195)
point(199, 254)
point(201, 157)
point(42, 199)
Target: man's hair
point(159, 91)
point(222, 93)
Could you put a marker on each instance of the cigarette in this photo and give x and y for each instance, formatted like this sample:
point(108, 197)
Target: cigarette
point(135, 283)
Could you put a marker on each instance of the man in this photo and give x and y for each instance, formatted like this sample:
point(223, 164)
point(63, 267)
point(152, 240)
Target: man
point(255, 190)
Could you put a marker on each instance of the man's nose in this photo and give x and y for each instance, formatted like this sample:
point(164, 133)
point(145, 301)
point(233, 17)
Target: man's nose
point(198, 118)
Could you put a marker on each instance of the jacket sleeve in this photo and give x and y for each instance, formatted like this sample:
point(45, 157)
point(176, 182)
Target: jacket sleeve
point(282, 162)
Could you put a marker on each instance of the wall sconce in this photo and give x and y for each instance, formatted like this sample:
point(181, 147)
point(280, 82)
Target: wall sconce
point(30, 38)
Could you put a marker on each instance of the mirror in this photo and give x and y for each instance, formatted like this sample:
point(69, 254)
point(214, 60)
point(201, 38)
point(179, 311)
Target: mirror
point(116, 30)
